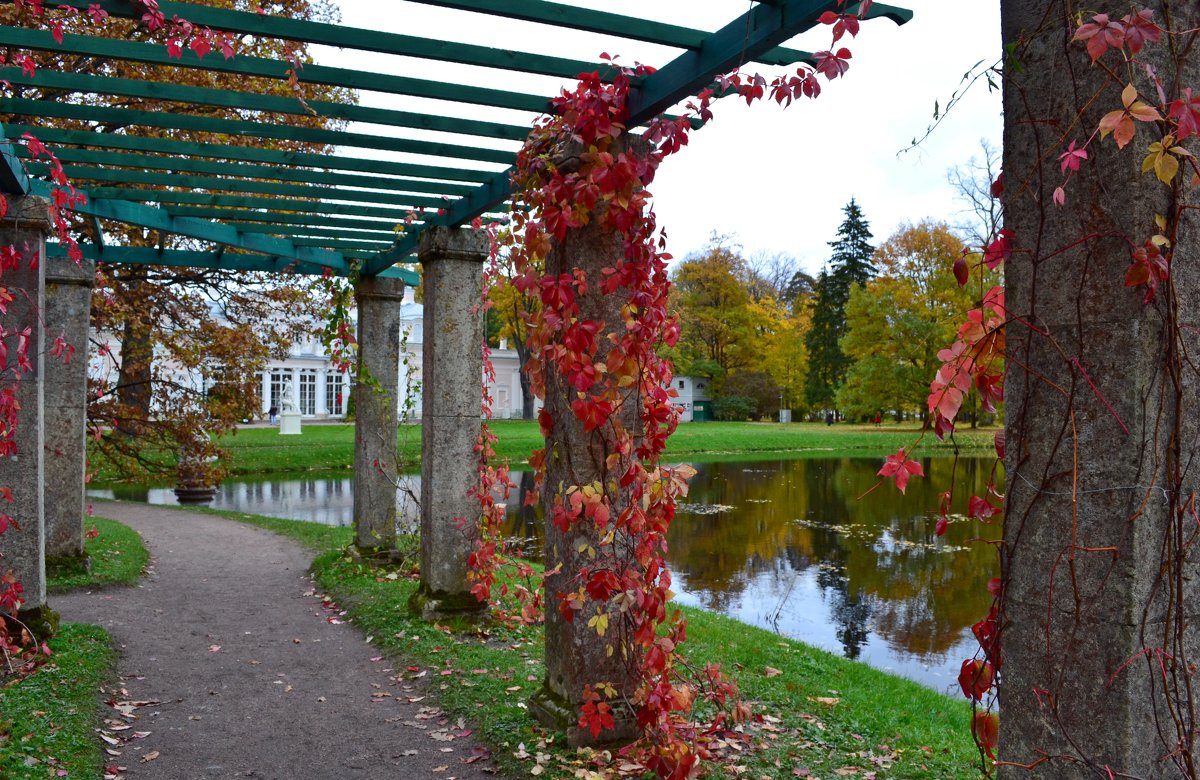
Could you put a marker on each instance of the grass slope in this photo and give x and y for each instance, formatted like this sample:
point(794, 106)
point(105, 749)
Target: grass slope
point(117, 555)
point(825, 713)
point(48, 720)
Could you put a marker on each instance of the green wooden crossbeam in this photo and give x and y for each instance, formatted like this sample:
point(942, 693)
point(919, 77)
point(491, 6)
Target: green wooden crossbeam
point(387, 235)
point(160, 220)
point(125, 117)
point(186, 258)
point(271, 26)
point(340, 244)
point(245, 65)
point(312, 207)
point(186, 149)
point(13, 180)
point(45, 78)
point(604, 22)
point(79, 173)
point(87, 159)
point(761, 28)
point(276, 217)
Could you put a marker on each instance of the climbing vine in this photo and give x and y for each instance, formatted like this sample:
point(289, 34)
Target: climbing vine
point(1142, 97)
point(579, 170)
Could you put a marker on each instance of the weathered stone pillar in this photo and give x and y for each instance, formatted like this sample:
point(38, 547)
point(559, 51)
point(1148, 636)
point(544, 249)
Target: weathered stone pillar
point(1102, 414)
point(25, 228)
point(576, 655)
point(375, 394)
point(68, 311)
point(452, 393)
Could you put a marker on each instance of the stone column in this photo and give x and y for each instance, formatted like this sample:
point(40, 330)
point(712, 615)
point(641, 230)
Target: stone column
point(1102, 415)
point(25, 228)
point(452, 401)
point(68, 311)
point(576, 655)
point(375, 389)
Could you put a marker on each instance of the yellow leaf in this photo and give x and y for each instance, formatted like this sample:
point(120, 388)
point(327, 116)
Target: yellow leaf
point(599, 622)
point(1166, 167)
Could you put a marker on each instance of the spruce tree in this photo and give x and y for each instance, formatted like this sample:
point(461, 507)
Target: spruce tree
point(849, 264)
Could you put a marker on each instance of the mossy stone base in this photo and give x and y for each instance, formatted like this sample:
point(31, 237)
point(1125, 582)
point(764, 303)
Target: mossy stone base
point(41, 621)
point(554, 712)
point(436, 605)
point(375, 557)
point(68, 565)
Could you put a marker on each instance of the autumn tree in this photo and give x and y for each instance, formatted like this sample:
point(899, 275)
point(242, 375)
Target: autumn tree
point(182, 331)
point(711, 295)
point(849, 264)
point(973, 182)
point(897, 322)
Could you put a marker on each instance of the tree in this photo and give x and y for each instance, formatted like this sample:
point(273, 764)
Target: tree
point(511, 311)
point(182, 329)
point(898, 322)
point(850, 264)
point(982, 218)
point(710, 294)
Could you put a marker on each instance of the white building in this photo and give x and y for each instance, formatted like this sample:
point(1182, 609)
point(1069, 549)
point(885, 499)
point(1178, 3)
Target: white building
point(693, 401)
point(319, 391)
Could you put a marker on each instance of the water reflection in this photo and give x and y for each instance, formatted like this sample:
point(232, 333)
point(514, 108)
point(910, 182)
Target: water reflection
point(784, 544)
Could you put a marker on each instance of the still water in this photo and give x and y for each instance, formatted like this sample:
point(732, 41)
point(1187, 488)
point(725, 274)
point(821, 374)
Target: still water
point(788, 545)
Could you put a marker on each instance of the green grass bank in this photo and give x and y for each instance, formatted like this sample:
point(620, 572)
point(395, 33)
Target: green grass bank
point(821, 713)
point(48, 720)
point(262, 450)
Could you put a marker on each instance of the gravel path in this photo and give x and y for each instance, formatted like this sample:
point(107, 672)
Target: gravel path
point(230, 662)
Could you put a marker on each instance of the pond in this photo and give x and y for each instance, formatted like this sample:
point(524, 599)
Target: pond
point(791, 545)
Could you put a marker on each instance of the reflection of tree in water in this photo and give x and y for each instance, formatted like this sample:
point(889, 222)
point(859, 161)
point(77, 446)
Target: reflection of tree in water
point(523, 524)
point(878, 560)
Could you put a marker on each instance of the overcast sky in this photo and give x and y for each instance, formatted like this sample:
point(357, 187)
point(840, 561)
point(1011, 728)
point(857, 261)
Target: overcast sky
point(776, 178)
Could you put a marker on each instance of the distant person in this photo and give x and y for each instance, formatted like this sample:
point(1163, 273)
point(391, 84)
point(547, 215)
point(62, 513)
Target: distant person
point(272, 413)
point(878, 417)
point(829, 418)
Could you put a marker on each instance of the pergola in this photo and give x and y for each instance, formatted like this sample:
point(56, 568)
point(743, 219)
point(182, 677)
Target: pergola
point(259, 209)
point(252, 208)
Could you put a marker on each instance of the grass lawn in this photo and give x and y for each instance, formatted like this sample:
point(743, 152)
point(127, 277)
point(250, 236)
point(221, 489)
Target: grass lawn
point(117, 555)
point(259, 451)
point(48, 719)
point(825, 713)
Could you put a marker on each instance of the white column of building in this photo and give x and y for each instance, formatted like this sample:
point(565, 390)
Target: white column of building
point(322, 409)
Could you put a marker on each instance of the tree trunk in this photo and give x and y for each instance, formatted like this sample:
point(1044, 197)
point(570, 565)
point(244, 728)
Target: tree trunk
point(1101, 419)
point(134, 381)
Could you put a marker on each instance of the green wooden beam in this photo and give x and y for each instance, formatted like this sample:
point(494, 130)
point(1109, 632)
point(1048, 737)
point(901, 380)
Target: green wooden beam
point(13, 180)
point(126, 117)
point(248, 173)
point(78, 174)
point(274, 26)
point(290, 232)
point(45, 78)
point(215, 259)
point(162, 221)
point(245, 65)
point(316, 208)
point(340, 244)
point(606, 23)
point(187, 149)
point(759, 29)
point(268, 217)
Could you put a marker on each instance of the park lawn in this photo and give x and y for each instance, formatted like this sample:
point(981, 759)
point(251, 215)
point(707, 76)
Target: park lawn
point(832, 714)
point(261, 451)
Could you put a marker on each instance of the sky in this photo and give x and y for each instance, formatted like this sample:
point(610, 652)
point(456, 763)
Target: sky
point(776, 179)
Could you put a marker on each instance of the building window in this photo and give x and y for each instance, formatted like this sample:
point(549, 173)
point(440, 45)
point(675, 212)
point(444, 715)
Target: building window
point(308, 392)
point(279, 380)
point(335, 395)
point(680, 384)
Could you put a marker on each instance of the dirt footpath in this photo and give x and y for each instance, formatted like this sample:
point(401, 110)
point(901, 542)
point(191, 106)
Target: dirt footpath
point(230, 662)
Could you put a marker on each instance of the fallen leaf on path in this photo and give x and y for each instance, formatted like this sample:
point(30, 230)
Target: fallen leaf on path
point(153, 754)
point(213, 648)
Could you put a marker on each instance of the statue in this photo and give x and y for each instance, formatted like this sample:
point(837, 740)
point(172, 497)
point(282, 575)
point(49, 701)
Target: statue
point(287, 404)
